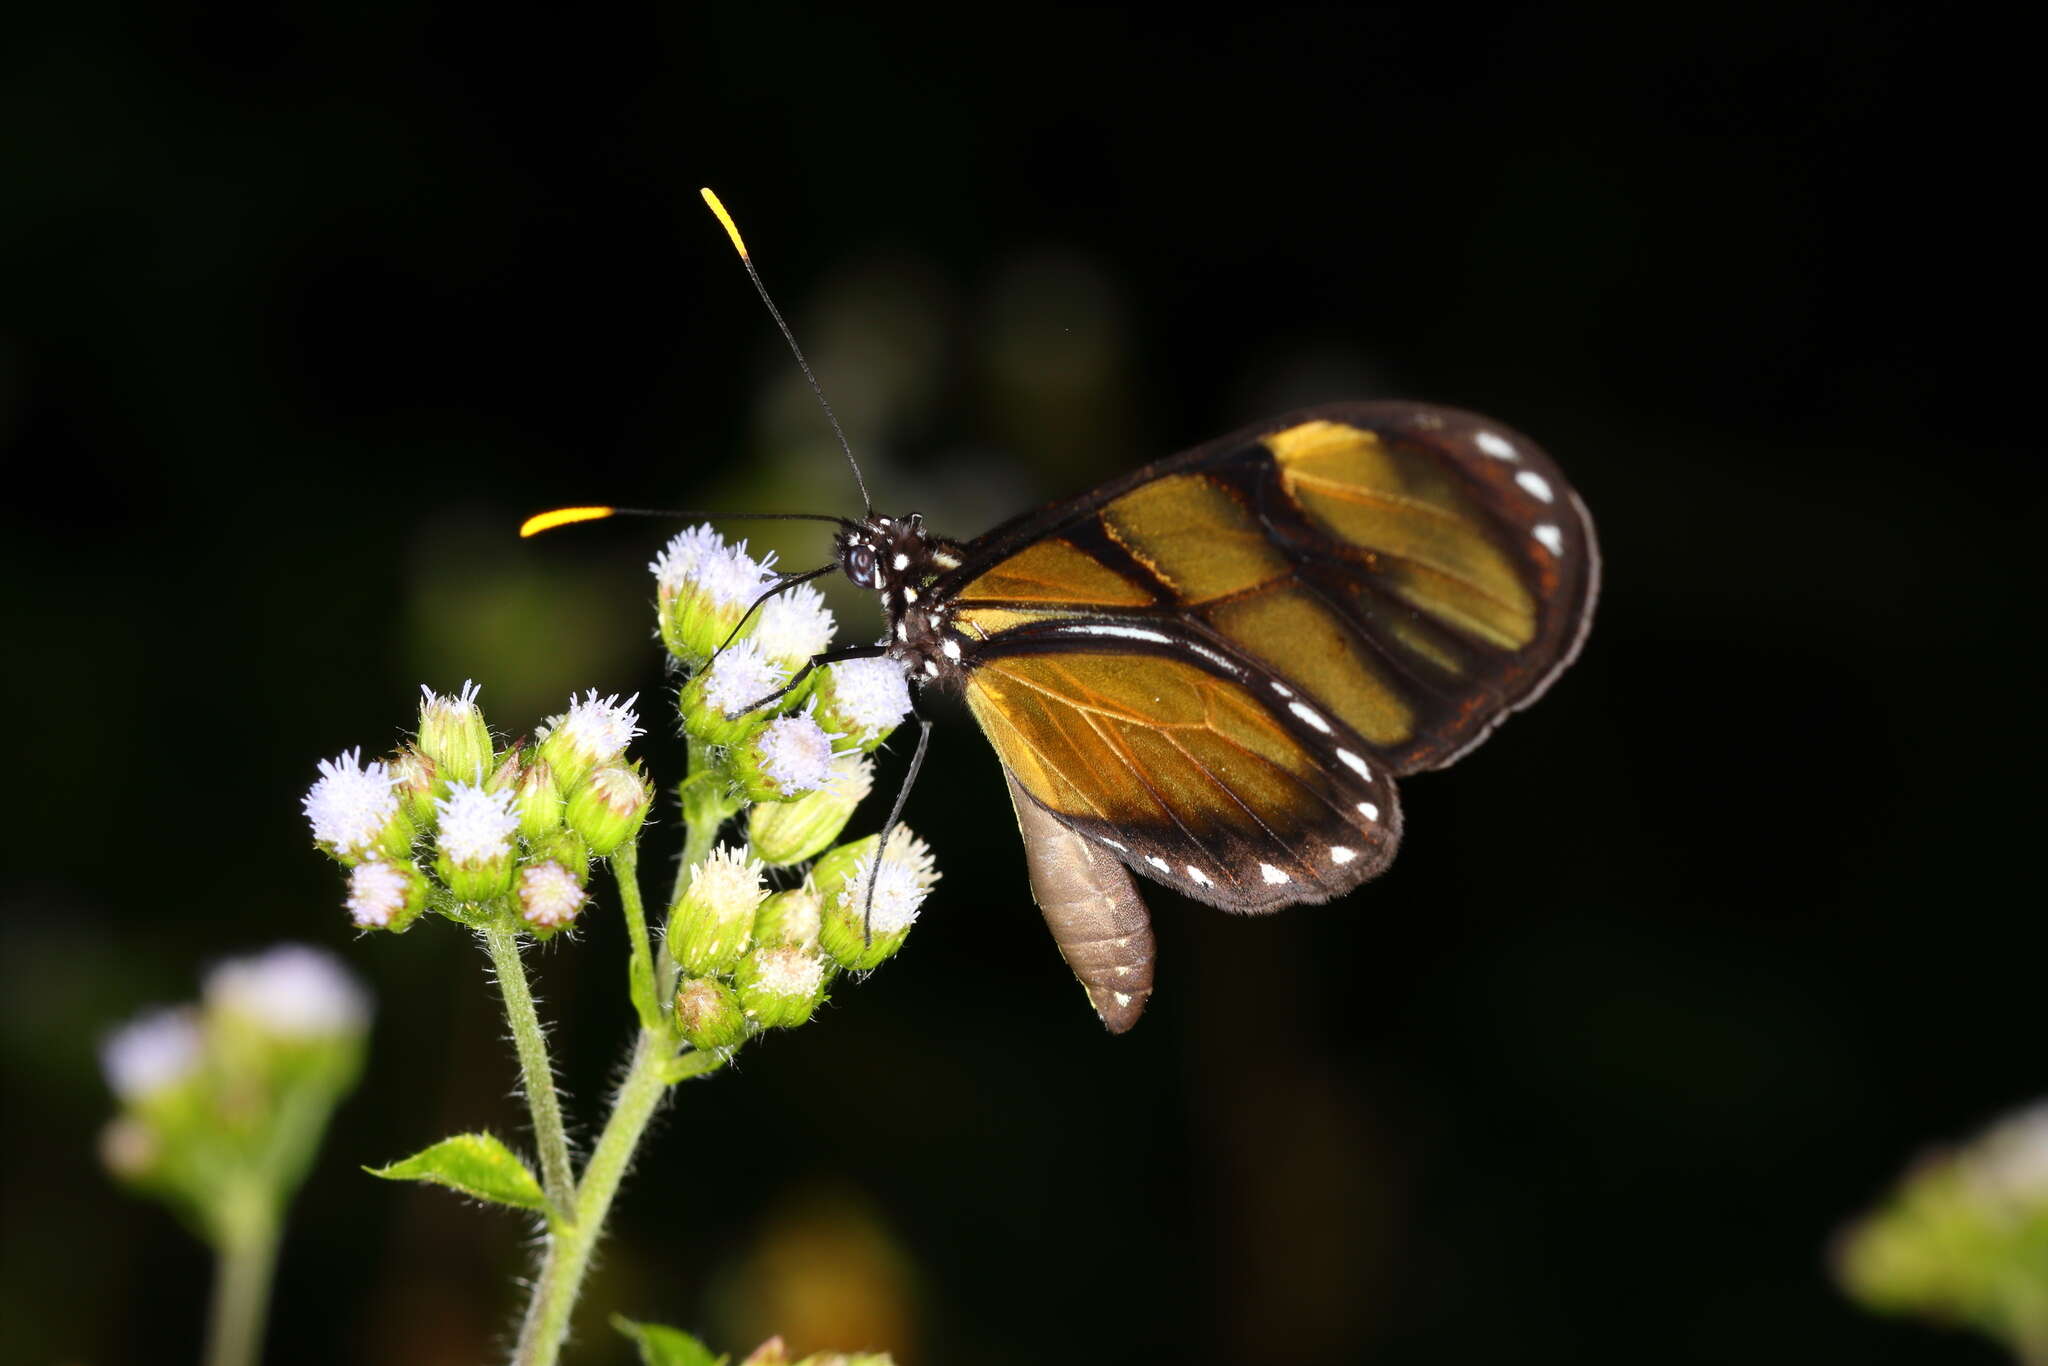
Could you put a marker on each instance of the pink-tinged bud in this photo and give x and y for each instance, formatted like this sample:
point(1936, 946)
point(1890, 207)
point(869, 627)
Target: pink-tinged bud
point(607, 809)
point(550, 895)
point(414, 776)
point(787, 758)
point(386, 894)
point(709, 1015)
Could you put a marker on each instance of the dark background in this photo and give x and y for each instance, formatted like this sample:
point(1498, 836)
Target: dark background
point(302, 309)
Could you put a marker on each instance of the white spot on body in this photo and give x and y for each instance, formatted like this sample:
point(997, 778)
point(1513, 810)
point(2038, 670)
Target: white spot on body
point(902, 630)
point(1355, 764)
point(952, 648)
point(1156, 862)
point(1369, 811)
point(902, 560)
point(1309, 716)
point(1339, 854)
point(1273, 876)
point(1495, 445)
point(1552, 538)
point(909, 594)
point(1536, 484)
point(1122, 998)
point(1199, 876)
point(931, 668)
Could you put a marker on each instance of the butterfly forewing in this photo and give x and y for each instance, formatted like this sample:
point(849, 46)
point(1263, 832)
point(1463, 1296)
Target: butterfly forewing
point(1215, 666)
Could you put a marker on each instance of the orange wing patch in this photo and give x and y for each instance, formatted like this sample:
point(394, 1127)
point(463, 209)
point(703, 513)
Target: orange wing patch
point(1156, 754)
point(1304, 642)
point(1054, 571)
point(1428, 542)
point(1195, 536)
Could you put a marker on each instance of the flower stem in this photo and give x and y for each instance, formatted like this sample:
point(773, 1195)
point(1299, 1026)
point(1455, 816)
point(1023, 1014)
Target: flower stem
point(241, 1287)
point(570, 1245)
point(640, 971)
point(503, 942)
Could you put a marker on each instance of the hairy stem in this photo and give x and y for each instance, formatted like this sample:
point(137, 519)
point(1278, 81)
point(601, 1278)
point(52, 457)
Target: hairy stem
point(570, 1246)
point(555, 1175)
point(640, 971)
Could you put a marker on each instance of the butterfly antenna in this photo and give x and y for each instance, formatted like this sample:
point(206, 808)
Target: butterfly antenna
point(732, 231)
point(554, 517)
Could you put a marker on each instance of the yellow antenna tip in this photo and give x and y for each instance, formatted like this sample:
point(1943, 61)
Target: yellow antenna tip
point(731, 229)
point(548, 521)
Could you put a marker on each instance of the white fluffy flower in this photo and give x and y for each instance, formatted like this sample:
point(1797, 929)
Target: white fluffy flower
point(476, 826)
point(794, 625)
point(726, 879)
point(795, 754)
point(152, 1052)
point(291, 990)
point(742, 674)
point(350, 803)
point(905, 880)
point(870, 693)
point(377, 891)
point(700, 558)
point(597, 730)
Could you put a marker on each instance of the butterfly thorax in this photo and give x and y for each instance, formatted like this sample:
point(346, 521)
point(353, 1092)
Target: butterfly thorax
point(900, 561)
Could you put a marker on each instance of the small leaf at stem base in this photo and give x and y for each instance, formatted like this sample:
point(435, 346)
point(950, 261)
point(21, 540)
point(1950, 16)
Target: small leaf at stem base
point(661, 1345)
point(478, 1165)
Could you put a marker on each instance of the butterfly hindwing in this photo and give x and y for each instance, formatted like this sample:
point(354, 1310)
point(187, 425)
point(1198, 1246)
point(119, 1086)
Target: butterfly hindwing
point(1217, 664)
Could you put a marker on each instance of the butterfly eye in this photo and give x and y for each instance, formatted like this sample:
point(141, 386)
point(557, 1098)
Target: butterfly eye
point(860, 567)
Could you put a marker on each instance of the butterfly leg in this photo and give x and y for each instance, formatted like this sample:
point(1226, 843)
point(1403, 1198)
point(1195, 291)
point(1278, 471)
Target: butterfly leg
point(924, 735)
point(828, 657)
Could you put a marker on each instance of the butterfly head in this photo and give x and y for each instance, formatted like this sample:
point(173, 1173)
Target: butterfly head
point(899, 560)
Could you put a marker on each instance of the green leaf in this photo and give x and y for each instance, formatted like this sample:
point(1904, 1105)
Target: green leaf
point(661, 1345)
point(475, 1164)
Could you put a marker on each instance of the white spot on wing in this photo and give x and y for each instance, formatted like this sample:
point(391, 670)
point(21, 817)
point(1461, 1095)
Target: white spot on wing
point(1552, 538)
point(1156, 862)
point(1273, 876)
point(1339, 854)
point(1121, 849)
point(1536, 484)
point(1369, 811)
point(1198, 875)
point(1309, 716)
point(1495, 445)
point(1355, 764)
point(1282, 689)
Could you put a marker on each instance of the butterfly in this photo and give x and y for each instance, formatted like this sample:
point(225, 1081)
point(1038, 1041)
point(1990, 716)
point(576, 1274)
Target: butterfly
point(1211, 671)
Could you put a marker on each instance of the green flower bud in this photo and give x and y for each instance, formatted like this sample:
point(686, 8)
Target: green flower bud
point(790, 917)
point(454, 736)
point(861, 699)
point(859, 931)
point(550, 894)
point(780, 984)
point(355, 810)
point(474, 837)
point(538, 801)
point(413, 776)
point(608, 807)
point(709, 1015)
point(703, 589)
point(713, 702)
point(786, 759)
point(386, 894)
point(713, 922)
point(791, 831)
point(592, 732)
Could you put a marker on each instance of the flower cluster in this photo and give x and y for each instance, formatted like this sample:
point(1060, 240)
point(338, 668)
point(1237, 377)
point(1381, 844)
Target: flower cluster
point(778, 729)
point(456, 824)
point(750, 960)
point(216, 1098)
point(1955, 1240)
